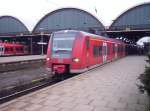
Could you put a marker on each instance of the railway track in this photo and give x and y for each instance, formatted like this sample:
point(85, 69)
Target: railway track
point(16, 92)
point(18, 65)
point(17, 78)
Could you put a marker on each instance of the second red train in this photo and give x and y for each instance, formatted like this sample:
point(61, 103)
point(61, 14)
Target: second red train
point(11, 49)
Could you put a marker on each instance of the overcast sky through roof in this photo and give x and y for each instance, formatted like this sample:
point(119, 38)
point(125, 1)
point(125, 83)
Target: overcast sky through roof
point(31, 11)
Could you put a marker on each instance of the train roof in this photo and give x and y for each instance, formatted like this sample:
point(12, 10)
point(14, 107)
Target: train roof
point(89, 34)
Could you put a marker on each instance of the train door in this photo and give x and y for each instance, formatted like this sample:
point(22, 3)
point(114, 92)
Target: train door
point(104, 52)
point(116, 51)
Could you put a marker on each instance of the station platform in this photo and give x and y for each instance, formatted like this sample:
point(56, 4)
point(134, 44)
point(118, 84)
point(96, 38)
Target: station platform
point(111, 87)
point(13, 63)
point(20, 58)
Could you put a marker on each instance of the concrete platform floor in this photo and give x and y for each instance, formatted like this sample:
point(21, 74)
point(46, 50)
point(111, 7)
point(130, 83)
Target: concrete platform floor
point(111, 87)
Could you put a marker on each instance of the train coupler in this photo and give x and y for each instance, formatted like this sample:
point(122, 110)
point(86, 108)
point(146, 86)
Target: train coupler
point(59, 69)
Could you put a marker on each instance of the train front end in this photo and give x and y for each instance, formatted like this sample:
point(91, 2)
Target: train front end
point(59, 53)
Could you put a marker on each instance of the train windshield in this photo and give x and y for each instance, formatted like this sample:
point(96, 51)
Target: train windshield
point(62, 45)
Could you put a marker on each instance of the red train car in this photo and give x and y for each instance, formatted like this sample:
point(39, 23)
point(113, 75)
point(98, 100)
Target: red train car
point(72, 51)
point(9, 49)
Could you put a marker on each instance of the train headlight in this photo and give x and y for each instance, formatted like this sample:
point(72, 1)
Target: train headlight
point(76, 60)
point(47, 59)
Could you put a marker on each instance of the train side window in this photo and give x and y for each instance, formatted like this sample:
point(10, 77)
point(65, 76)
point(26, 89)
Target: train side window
point(6, 49)
point(25, 48)
point(100, 50)
point(17, 49)
point(121, 48)
point(87, 43)
point(108, 50)
point(113, 48)
point(95, 51)
point(21, 48)
point(1, 49)
point(104, 50)
point(118, 48)
point(11, 49)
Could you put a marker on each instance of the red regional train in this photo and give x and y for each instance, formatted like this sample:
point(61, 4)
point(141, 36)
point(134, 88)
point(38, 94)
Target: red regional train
point(71, 51)
point(9, 49)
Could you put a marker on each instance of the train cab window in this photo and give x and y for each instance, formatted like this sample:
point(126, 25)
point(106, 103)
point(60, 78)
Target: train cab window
point(100, 50)
point(62, 44)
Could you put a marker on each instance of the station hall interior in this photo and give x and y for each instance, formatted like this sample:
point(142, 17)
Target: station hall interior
point(69, 59)
point(128, 27)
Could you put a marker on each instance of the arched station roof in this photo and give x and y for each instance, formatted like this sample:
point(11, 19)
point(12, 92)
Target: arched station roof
point(69, 18)
point(135, 18)
point(11, 26)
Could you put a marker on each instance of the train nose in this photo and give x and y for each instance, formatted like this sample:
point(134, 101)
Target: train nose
point(59, 69)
